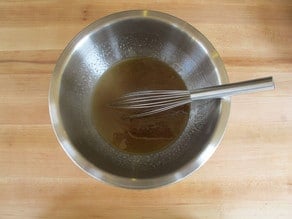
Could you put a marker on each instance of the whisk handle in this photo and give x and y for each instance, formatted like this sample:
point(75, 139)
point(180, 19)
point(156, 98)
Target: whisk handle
point(231, 89)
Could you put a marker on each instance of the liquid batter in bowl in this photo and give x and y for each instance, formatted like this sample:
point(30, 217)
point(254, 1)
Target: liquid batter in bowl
point(138, 135)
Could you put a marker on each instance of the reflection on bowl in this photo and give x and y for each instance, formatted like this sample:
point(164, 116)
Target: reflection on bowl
point(119, 37)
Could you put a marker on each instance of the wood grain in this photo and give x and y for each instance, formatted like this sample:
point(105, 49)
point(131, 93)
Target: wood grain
point(249, 176)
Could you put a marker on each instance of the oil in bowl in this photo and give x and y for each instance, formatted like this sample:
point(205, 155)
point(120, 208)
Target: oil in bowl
point(137, 135)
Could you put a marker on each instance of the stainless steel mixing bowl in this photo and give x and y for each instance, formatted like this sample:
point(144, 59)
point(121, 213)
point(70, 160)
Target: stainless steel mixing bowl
point(132, 34)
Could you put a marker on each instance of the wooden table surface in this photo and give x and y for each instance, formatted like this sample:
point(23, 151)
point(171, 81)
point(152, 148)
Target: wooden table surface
point(249, 176)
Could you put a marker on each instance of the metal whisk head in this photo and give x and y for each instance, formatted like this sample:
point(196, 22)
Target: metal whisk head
point(155, 101)
point(152, 101)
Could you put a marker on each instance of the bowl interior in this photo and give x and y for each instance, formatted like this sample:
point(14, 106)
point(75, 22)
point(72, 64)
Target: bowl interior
point(124, 36)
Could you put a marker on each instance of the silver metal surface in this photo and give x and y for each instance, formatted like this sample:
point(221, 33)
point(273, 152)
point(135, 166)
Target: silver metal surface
point(150, 102)
point(121, 36)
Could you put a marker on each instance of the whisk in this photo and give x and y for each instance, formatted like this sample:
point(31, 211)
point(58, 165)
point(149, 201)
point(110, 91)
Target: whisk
point(155, 101)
